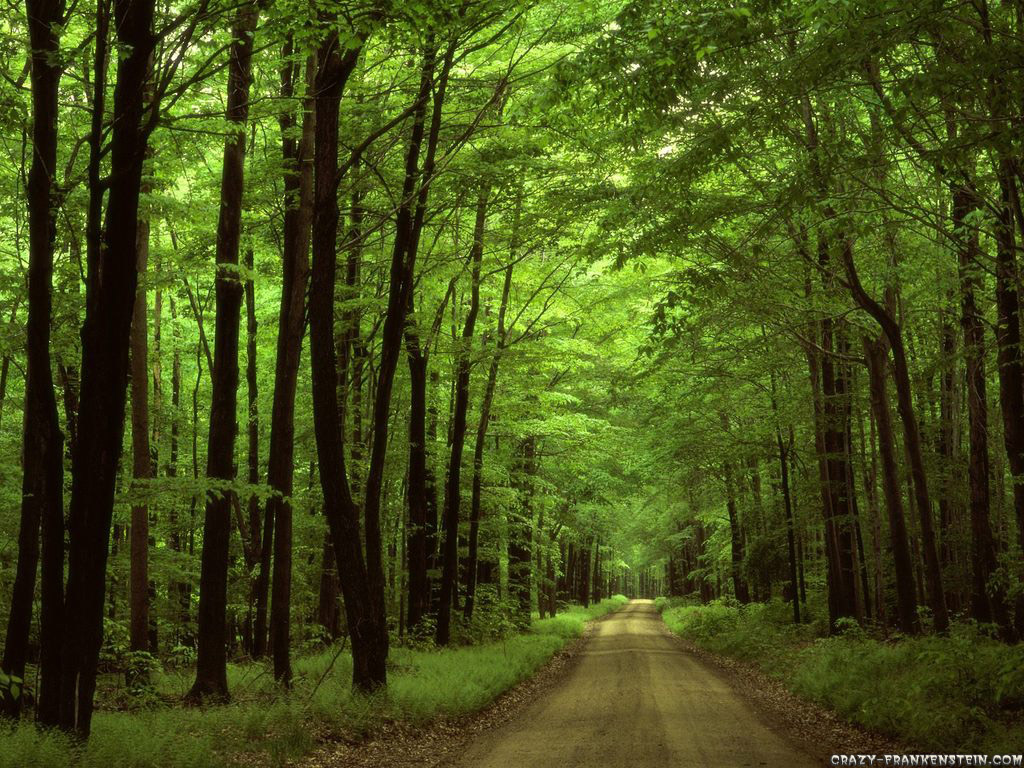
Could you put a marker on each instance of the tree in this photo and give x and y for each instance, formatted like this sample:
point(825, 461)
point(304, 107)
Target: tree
point(43, 468)
point(211, 668)
point(109, 307)
point(291, 327)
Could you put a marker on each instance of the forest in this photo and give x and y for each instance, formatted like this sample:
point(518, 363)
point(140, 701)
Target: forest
point(343, 337)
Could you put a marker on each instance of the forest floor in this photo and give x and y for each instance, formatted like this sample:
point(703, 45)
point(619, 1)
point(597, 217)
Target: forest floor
point(434, 697)
point(404, 744)
point(628, 693)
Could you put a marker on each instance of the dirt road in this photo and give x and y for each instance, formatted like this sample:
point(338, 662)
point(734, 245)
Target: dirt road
point(635, 699)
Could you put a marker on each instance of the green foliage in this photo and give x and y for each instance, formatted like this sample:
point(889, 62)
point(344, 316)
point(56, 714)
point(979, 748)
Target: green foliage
point(494, 618)
point(754, 632)
point(11, 685)
point(664, 604)
point(957, 693)
point(571, 622)
point(21, 744)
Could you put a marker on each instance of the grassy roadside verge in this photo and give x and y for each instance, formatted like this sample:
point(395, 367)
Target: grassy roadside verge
point(959, 693)
point(267, 727)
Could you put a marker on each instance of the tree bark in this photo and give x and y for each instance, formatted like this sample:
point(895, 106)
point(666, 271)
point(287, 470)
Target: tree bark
point(142, 466)
point(422, 482)
point(485, 417)
point(368, 635)
point(450, 573)
point(472, 562)
point(520, 534)
point(739, 582)
point(842, 593)
point(253, 553)
point(911, 437)
point(298, 184)
point(211, 660)
point(42, 446)
point(787, 504)
point(876, 354)
point(105, 335)
point(583, 578)
point(419, 584)
point(987, 601)
point(328, 610)
point(1009, 359)
point(817, 368)
point(401, 276)
point(178, 591)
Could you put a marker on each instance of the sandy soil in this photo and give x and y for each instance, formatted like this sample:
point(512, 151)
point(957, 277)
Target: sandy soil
point(635, 698)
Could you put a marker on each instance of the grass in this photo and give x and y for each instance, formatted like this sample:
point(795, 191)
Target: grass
point(272, 727)
point(963, 692)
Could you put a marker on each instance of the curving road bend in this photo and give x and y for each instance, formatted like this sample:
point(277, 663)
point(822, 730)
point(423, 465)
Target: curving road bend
point(635, 699)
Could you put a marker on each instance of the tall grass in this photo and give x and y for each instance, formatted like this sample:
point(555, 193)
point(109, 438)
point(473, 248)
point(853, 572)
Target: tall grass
point(963, 692)
point(274, 727)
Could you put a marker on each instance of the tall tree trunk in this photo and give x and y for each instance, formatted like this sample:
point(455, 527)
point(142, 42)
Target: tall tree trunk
point(156, 398)
point(369, 637)
point(583, 578)
point(452, 494)
point(211, 660)
point(817, 368)
point(105, 335)
point(835, 472)
point(328, 610)
point(179, 594)
point(860, 561)
point(950, 512)
point(876, 354)
point(419, 584)
point(401, 278)
point(421, 490)
point(763, 586)
point(254, 524)
point(1009, 359)
point(298, 183)
point(840, 527)
point(42, 446)
point(472, 560)
point(739, 582)
point(520, 533)
point(1008, 334)
point(485, 416)
point(787, 504)
point(911, 436)
point(869, 461)
point(538, 563)
point(987, 601)
point(142, 466)
point(550, 573)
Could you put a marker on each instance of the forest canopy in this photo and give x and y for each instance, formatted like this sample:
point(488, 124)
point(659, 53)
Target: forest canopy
point(402, 322)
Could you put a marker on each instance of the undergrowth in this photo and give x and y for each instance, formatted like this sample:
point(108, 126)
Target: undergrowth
point(272, 727)
point(963, 692)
